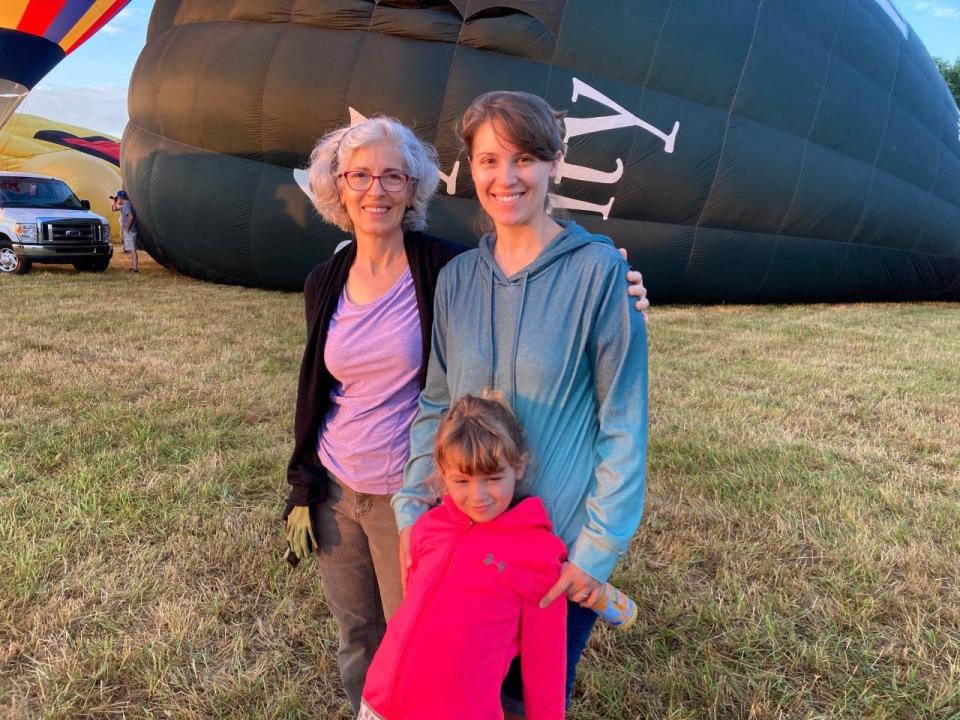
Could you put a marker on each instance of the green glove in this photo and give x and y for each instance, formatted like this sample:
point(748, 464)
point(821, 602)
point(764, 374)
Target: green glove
point(300, 532)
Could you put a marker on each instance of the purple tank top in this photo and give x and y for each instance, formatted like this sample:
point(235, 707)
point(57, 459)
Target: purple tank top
point(373, 352)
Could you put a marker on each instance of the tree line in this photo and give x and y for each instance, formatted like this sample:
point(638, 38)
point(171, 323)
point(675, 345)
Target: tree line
point(951, 73)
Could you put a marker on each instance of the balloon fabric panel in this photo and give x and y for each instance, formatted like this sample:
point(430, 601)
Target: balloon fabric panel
point(947, 184)
point(387, 72)
point(518, 35)
point(756, 178)
point(941, 220)
point(642, 20)
point(910, 151)
point(760, 95)
point(67, 23)
point(69, 15)
point(96, 18)
point(289, 136)
point(12, 12)
point(798, 273)
point(426, 24)
point(707, 71)
point(25, 58)
point(38, 16)
point(252, 194)
point(816, 209)
point(548, 13)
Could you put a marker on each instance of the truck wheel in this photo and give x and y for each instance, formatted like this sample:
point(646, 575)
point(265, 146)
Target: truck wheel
point(12, 263)
point(98, 265)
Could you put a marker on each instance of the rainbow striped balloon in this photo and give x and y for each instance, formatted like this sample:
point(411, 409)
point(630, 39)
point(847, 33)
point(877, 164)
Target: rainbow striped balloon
point(35, 35)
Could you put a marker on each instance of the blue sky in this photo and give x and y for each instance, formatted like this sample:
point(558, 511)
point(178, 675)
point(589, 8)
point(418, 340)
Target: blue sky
point(937, 22)
point(89, 88)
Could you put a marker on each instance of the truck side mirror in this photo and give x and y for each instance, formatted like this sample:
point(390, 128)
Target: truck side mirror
point(85, 204)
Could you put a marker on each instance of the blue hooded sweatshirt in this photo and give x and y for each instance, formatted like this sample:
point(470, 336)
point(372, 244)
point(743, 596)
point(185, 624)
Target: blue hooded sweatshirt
point(562, 341)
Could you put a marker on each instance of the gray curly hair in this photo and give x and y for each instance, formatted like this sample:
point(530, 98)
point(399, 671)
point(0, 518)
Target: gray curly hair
point(333, 151)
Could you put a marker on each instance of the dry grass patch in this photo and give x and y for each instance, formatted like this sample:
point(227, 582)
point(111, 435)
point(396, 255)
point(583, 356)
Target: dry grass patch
point(798, 557)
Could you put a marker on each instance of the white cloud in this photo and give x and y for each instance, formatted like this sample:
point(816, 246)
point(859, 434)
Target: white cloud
point(102, 108)
point(129, 19)
point(938, 10)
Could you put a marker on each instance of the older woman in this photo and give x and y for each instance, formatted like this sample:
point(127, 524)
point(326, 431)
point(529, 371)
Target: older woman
point(369, 312)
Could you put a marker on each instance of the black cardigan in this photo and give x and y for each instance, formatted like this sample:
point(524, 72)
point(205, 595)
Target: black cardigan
point(426, 255)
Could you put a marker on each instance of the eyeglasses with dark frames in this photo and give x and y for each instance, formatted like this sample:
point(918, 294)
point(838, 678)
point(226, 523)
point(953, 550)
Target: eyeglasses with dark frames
point(361, 180)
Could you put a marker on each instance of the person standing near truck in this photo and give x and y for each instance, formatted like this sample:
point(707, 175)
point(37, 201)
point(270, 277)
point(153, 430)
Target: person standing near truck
point(128, 226)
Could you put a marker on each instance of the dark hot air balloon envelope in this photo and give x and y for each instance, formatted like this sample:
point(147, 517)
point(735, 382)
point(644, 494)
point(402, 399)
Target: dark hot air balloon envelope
point(742, 151)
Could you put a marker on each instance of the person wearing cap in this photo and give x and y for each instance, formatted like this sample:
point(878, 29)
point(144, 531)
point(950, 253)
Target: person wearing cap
point(128, 226)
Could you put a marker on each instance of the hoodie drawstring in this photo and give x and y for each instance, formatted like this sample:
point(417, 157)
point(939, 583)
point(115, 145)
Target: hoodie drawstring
point(516, 342)
point(516, 336)
point(493, 340)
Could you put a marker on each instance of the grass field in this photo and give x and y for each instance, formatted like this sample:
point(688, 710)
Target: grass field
point(799, 557)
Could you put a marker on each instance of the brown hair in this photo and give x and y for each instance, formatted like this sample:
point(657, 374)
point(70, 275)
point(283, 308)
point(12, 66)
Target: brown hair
point(479, 435)
point(526, 120)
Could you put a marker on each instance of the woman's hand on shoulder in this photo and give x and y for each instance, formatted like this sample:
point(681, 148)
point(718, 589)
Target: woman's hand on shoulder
point(579, 587)
point(636, 288)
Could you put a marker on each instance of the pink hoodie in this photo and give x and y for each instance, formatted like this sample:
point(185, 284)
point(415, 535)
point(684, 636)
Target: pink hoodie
point(471, 606)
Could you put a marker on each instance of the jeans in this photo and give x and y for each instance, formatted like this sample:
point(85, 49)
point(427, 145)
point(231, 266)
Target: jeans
point(359, 557)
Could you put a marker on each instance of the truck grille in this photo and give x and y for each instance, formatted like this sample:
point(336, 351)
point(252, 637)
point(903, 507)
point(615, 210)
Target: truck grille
point(71, 232)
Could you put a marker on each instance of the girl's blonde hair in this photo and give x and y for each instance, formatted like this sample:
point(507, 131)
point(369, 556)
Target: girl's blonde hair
point(479, 435)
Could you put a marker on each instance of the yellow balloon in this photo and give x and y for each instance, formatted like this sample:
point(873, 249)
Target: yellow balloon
point(91, 177)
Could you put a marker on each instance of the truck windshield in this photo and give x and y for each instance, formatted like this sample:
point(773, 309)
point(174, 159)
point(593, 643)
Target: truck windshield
point(31, 192)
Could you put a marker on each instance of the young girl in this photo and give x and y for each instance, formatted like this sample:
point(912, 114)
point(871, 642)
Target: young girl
point(481, 562)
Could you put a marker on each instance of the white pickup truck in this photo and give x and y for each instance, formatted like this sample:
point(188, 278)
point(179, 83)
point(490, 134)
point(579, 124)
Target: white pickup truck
point(42, 221)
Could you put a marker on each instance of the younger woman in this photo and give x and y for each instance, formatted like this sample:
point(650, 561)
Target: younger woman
point(538, 311)
point(481, 562)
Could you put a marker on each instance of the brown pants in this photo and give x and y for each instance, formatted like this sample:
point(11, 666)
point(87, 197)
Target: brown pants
point(360, 568)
